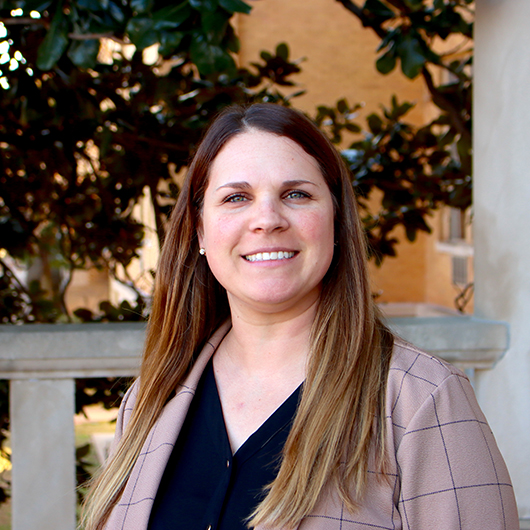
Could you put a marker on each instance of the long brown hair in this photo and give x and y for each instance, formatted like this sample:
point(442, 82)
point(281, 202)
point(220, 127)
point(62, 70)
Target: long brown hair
point(350, 348)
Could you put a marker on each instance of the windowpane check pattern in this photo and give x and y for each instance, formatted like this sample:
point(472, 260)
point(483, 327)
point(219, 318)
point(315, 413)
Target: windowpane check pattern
point(445, 471)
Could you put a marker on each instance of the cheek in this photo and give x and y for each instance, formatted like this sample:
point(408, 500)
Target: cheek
point(319, 228)
point(219, 230)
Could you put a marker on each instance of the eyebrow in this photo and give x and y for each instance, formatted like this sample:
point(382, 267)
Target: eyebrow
point(243, 185)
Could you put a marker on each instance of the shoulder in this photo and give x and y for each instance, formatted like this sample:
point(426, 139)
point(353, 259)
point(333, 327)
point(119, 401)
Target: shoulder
point(418, 381)
point(126, 408)
point(451, 472)
point(414, 364)
point(129, 399)
point(417, 373)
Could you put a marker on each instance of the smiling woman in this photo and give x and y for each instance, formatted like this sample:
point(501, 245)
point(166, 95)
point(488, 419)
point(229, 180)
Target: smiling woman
point(258, 206)
point(271, 395)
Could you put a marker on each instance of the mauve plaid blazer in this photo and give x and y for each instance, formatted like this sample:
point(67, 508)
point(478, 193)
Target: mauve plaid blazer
point(446, 472)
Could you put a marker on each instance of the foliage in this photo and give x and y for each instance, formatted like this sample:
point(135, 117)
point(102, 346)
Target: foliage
point(199, 29)
point(111, 129)
point(414, 169)
point(82, 144)
point(90, 125)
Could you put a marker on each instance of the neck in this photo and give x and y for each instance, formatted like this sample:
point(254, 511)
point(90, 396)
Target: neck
point(265, 344)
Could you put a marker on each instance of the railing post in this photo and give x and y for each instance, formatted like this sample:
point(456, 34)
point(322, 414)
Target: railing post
point(43, 454)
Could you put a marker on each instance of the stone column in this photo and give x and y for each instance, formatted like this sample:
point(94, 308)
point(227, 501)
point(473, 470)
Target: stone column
point(42, 435)
point(502, 222)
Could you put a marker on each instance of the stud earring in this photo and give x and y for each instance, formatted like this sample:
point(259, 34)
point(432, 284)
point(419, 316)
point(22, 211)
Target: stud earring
point(202, 251)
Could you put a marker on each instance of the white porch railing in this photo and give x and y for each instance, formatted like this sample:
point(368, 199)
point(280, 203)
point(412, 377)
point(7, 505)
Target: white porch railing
point(42, 360)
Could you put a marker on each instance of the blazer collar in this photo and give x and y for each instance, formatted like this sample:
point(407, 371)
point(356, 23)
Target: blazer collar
point(134, 507)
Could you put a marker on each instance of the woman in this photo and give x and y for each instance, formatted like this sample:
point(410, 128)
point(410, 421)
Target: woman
point(270, 393)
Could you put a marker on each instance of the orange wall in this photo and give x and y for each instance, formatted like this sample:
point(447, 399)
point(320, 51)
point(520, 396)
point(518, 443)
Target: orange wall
point(340, 62)
point(339, 54)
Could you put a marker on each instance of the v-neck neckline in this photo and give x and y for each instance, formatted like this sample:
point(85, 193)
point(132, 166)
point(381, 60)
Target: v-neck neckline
point(273, 425)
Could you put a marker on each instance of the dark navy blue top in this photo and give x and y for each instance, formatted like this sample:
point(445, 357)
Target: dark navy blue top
point(204, 485)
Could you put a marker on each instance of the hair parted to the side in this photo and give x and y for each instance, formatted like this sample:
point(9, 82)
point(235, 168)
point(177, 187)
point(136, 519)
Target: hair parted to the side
point(341, 412)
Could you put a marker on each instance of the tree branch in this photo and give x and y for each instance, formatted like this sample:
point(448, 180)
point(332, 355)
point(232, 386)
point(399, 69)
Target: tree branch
point(128, 281)
point(14, 276)
point(95, 36)
point(365, 20)
point(22, 21)
point(130, 138)
point(442, 102)
point(159, 223)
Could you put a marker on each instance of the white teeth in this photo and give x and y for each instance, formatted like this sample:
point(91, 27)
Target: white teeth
point(269, 256)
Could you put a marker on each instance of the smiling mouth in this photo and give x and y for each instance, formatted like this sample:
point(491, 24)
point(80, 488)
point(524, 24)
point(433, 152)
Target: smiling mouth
point(269, 256)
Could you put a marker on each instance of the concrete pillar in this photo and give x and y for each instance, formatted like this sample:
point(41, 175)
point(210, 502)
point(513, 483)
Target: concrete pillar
point(502, 222)
point(43, 446)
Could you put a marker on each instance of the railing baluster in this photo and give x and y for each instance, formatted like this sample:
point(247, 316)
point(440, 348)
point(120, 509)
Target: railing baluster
point(43, 446)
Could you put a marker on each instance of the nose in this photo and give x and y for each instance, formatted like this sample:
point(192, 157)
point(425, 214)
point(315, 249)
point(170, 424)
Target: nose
point(268, 216)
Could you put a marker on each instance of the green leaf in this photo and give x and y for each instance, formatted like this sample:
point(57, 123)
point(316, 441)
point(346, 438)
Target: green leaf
point(84, 53)
point(232, 42)
point(386, 63)
point(214, 25)
point(204, 5)
point(209, 58)
point(397, 110)
point(55, 42)
point(92, 5)
point(415, 4)
point(342, 106)
point(82, 451)
point(141, 6)
point(36, 5)
point(235, 6)
point(282, 51)
point(375, 123)
point(116, 12)
point(141, 32)
point(402, 109)
point(411, 55)
point(378, 8)
point(352, 127)
point(171, 16)
point(169, 42)
point(85, 315)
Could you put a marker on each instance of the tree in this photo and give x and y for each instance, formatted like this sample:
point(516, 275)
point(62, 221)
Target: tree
point(106, 126)
point(416, 169)
point(87, 127)
point(88, 123)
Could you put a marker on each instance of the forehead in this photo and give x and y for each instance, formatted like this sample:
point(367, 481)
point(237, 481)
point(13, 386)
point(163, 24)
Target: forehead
point(258, 150)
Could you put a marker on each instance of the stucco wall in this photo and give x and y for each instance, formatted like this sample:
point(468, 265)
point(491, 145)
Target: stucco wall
point(502, 217)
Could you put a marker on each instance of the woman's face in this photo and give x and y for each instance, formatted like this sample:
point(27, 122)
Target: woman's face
point(267, 223)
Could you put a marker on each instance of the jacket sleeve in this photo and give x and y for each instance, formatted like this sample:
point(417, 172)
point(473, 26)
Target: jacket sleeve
point(452, 474)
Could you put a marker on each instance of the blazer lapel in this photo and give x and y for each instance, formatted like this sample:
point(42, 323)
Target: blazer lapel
point(134, 508)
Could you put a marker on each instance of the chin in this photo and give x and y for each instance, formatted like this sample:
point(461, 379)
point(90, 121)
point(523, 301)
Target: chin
point(285, 302)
